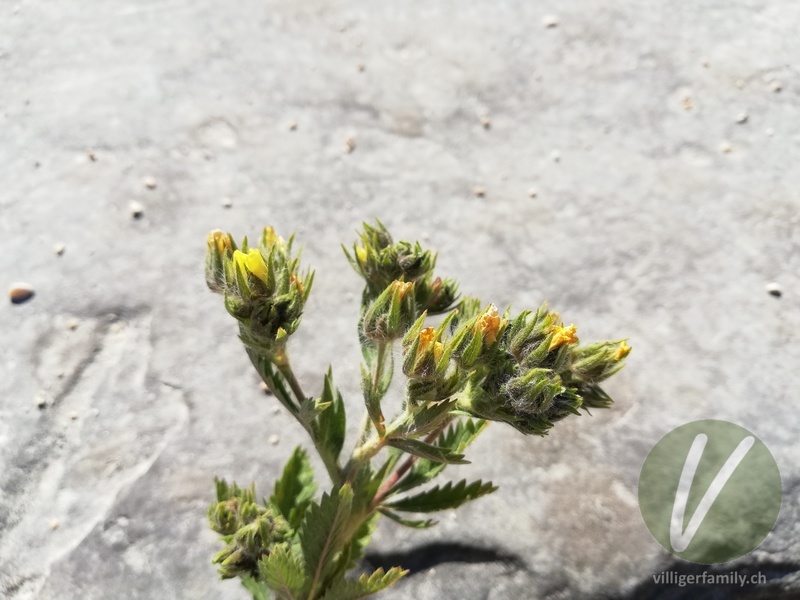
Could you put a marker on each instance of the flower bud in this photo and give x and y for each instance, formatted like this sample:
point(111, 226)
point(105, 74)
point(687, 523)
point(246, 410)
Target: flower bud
point(391, 314)
point(597, 362)
point(220, 250)
point(426, 357)
point(475, 340)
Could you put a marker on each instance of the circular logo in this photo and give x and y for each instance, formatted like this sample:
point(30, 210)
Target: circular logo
point(710, 491)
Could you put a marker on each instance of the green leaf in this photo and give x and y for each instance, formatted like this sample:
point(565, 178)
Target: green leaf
point(322, 535)
point(331, 424)
point(283, 572)
point(354, 549)
point(456, 439)
point(433, 453)
point(353, 589)
point(258, 588)
point(295, 489)
point(442, 498)
point(414, 524)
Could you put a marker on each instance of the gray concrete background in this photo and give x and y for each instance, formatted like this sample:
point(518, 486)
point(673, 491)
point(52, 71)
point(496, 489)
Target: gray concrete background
point(658, 216)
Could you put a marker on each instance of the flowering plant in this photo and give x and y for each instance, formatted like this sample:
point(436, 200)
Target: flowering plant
point(477, 365)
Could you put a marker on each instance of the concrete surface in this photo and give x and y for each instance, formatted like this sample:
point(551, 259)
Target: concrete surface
point(660, 213)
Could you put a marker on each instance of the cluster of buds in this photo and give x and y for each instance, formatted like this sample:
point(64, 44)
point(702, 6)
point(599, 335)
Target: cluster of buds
point(262, 286)
point(530, 371)
point(250, 530)
point(381, 261)
point(391, 314)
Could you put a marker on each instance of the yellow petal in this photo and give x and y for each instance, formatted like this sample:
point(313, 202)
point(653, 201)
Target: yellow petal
point(563, 335)
point(622, 351)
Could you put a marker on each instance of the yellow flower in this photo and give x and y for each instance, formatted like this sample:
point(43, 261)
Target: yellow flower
point(622, 351)
point(402, 288)
point(252, 262)
point(489, 324)
point(270, 238)
point(426, 336)
point(563, 335)
point(219, 240)
point(361, 255)
point(298, 283)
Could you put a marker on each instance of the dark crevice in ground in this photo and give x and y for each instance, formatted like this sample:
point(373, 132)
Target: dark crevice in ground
point(422, 558)
point(772, 589)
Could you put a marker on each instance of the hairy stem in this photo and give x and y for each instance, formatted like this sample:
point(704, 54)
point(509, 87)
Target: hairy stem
point(387, 486)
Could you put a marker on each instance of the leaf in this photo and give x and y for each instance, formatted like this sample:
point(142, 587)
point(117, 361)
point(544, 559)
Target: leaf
point(433, 453)
point(258, 588)
point(442, 498)
point(322, 535)
point(283, 572)
point(331, 424)
point(456, 439)
point(354, 550)
point(353, 589)
point(295, 489)
point(408, 522)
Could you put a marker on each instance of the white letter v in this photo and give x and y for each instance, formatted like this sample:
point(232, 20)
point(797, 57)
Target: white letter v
point(678, 538)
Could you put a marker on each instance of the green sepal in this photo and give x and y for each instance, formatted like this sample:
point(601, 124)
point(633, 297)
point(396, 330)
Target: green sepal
point(331, 424)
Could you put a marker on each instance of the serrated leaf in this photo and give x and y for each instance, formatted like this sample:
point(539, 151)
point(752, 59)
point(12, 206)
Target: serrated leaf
point(456, 439)
point(322, 535)
point(283, 572)
point(330, 426)
point(412, 523)
point(295, 489)
point(354, 550)
point(258, 588)
point(442, 498)
point(353, 589)
point(433, 453)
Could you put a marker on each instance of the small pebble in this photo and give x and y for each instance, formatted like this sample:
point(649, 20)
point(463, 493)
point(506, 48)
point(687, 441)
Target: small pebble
point(479, 191)
point(705, 63)
point(742, 117)
point(59, 249)
point(770, 131)
point(533, 192)
point(274, 439)
point(550, 21)
point(92, 156)
point(739, 83)
point(226, 202)
point(688, 103)
point(41, 402)
point(137, 210)
point(150, 183)
point(54, 525)
point(773, 289)
point(776, 86)
point(362, 67)
point(265, 388)
point(73, 415)
point(276, 411)
point(556, 156)
point(292, 125)
point(59, 374)
point(349, 145)
point(72, 324)
point(487, 124)
point(21, 292)
point(726, 147)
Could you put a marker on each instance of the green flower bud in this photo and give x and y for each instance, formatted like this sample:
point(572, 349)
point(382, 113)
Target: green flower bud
point(437, 296)
point(391, 314)
point(425, 356)
point(262, 286)
point(476, 341)
point(597, 362)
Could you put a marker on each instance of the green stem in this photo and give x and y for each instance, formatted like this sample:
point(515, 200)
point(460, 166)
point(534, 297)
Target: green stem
point(330, 461)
